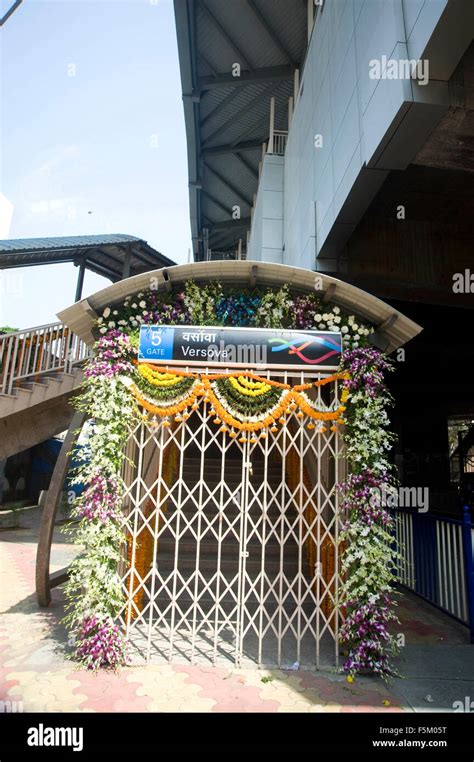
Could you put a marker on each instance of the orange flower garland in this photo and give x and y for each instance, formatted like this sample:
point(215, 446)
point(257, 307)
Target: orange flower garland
point(293, 400)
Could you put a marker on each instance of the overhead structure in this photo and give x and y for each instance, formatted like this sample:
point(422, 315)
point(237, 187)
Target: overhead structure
point(231, 514)
point(393, 328)
point(234, 58)
point(113, 256)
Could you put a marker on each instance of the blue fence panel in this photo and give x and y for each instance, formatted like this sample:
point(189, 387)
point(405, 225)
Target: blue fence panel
point(425, 556)
point(438, 561)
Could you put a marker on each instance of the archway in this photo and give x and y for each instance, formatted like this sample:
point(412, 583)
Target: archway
point(191, 510)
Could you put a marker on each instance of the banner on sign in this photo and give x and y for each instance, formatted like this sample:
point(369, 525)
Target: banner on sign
point(259, 348)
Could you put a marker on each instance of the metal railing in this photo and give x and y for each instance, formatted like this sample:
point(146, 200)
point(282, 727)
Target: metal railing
point(27, 355)
point(277, 146)
point(436, 561)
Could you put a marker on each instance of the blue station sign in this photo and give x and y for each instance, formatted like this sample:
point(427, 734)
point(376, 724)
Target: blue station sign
point(259, 348)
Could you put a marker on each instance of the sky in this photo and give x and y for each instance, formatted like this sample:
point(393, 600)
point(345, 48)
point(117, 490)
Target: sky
point(92, 138)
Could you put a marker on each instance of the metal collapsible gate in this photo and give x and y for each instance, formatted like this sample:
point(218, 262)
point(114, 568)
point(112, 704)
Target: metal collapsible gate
point(232, 546)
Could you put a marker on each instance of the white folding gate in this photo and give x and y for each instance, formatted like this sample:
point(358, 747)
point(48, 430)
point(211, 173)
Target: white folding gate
point(232, 550)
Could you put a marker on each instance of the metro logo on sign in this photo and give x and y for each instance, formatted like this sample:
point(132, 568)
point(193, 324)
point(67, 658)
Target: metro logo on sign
point(311, 350)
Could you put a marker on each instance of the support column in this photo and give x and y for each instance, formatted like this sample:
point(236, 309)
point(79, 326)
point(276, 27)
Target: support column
point(310, 18)
point(296, 87)
point(44, 582)
point(126, 264)
point(2, 476)
point(80, 280)
point(272, 125)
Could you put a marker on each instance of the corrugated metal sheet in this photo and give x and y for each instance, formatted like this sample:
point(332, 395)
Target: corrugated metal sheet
point(257, 34)
point(61, 242)
point(102, 254)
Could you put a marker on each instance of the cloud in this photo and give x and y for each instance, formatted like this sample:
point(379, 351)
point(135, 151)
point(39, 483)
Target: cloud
point(50, 169)
point(49, 190)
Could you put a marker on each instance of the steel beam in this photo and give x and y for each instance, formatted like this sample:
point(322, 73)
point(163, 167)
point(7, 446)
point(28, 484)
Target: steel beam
point(271, 33)
point(228, 184)
point(247, 166)
point(265, 119)
point(224, 33)
point(258, 76)
point(248, 145)
point(207, 63)
point(224, 102)
point(217, 202)
point(80, 280)
point(244, 222)
point(260, 98)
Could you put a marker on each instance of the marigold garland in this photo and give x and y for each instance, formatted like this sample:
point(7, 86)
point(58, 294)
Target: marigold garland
point(94, 590)
point(240, 400)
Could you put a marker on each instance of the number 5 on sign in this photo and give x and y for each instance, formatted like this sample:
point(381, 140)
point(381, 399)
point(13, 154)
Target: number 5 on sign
point(156, 338)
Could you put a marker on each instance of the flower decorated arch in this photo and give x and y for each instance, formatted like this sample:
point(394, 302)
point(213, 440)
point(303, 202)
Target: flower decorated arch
point(118, 390)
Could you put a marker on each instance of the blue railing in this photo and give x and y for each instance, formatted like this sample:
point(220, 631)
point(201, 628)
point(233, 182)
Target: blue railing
point(436, 561)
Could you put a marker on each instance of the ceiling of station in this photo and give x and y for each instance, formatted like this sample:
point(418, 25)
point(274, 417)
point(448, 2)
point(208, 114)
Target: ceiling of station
point(228, 117)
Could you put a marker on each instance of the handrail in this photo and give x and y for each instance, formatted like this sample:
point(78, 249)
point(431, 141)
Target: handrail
point(27, 330)
point(28, 354)
point(432, 515)
point(278, 144)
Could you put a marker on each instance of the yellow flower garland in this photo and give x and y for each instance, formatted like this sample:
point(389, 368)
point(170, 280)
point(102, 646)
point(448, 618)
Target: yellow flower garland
point(294, 400)
point(160, 378)
point(249, 388)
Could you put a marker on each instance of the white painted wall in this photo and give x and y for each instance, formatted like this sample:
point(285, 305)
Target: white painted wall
point(266, 238)
point(355, 115)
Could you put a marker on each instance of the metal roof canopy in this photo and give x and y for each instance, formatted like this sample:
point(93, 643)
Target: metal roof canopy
point(392, 328)
point(227, 117)
point(112, 256)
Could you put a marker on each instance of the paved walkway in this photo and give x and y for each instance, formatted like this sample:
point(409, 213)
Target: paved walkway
point(437, 662)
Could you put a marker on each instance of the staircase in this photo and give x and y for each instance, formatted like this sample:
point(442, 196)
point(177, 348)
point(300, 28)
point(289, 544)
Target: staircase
point(40, 368)
point(462, 457)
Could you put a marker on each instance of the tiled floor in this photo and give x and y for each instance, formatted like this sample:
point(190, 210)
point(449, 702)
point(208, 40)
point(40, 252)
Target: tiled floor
point(34, 669)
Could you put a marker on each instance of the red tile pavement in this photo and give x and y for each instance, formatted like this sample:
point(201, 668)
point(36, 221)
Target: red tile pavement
point(230, 692)
point(193, 687)
point(109, 692)
point(6, 684)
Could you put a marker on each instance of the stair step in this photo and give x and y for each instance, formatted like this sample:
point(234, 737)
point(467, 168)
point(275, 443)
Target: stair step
point(22, 389)
point(58, 377)
point(229, 507)
point(195, 473)
point(228, 566)
point(229, 465)
point(166, 546)
point(230, 483)
point(228, 604)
